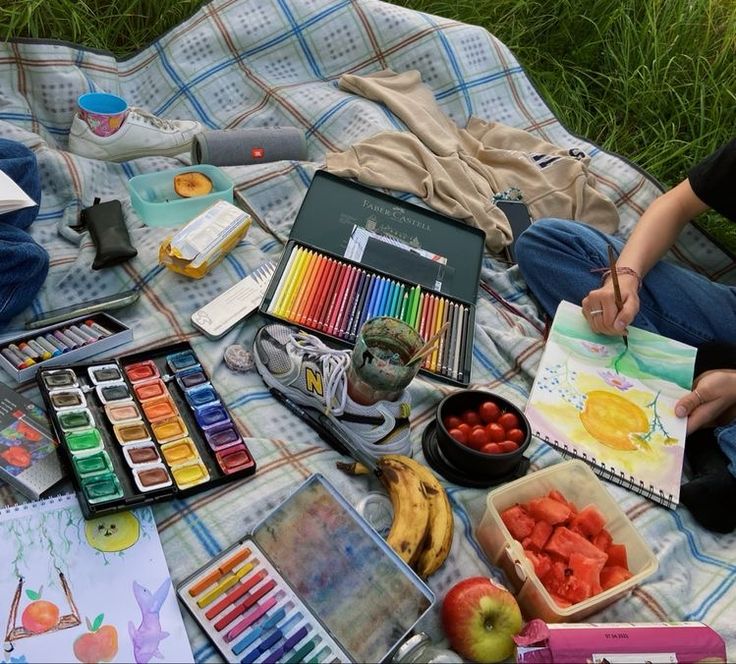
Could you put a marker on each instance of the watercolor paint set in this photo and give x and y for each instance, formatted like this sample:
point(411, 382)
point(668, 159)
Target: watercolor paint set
point(312, 582)
point(355, 253)
point(60, 344)
point(142, 428)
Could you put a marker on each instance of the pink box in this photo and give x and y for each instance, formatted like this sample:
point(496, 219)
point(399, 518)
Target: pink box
point(618, 643)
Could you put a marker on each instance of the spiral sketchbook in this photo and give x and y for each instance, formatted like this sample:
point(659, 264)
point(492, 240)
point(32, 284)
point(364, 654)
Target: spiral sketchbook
point(614, 407)
point(86, 591)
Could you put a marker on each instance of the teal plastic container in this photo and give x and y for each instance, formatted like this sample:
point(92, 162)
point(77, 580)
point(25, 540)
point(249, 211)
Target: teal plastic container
point(154, 199)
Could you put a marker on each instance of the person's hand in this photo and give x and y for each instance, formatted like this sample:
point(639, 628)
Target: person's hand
point(601, 312)
point(712, 401)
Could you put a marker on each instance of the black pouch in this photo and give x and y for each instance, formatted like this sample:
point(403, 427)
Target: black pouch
point(108, 231)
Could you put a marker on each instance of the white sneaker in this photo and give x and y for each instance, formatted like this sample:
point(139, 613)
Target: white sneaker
point(142, 134)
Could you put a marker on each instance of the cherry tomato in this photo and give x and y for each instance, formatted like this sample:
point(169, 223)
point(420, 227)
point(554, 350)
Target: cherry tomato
point(491, 448)
point(495, 432)
point(517, 435)
point(509, 421)
point(466, 429)
point(459, 436)
point(471, 417)
point(478, 438)
point(452, 422)
point(508, 446)
point(489, 411)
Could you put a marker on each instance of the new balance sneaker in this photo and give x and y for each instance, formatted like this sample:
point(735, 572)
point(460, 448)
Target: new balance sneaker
point(300, 369)
point(142, 134)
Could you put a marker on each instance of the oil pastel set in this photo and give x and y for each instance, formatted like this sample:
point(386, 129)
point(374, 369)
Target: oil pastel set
point(62, 343)
point(355, 254)
point(144, 428)
point(312, 582)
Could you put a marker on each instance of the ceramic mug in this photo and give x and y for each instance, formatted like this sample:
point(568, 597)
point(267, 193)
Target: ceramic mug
point(104, 113)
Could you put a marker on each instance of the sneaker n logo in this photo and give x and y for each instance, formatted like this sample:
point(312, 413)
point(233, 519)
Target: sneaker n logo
point(313, 380)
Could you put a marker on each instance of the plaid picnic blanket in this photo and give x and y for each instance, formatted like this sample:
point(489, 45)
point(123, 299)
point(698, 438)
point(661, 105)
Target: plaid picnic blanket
point(250, 63)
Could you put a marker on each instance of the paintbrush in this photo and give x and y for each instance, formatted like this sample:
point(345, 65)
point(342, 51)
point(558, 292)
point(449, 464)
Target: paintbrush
point(616, 289)
point(429, 345)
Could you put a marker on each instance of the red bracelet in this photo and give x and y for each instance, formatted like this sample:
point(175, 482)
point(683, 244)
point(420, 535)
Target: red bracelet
point(606, 272)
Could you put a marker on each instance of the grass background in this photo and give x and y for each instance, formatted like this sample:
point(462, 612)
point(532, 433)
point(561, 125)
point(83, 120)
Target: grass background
point(652, 80)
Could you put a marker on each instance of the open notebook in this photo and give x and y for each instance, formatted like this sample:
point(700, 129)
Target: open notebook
point(614, 408)
point(86, 591)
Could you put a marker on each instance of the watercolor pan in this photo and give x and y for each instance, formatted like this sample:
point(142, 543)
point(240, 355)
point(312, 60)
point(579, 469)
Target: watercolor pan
point(135, 441)
point(65, 399)
point(355, 253)
point(150, 389)
point(113, 392)
point(300, 588)
point(105, 373)
point(141, 454)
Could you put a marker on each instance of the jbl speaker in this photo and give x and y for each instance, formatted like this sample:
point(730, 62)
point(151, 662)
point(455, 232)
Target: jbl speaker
point(242, 147)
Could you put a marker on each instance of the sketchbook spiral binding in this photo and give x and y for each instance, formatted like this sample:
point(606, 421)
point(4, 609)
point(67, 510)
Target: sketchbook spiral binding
point(608, 472)
point(14, 511)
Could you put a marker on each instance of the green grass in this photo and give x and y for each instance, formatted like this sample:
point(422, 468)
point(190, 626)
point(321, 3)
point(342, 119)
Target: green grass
point(652, 80)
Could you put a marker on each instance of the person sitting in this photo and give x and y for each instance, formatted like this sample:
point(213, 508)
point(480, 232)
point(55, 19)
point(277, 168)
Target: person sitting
point(24, 264)
point(564, 260)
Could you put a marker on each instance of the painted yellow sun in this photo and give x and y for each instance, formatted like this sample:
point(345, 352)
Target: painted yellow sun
point(115, 532)
point(611, 419)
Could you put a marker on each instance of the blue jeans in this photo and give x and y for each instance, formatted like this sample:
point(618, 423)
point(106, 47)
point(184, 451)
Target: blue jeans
point(556, 257)
point(23, 263)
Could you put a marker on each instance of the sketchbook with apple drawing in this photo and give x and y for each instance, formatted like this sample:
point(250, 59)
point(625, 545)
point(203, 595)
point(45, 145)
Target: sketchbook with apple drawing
point(614, 408)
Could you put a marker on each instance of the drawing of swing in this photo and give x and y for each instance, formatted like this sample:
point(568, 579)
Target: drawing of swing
point(40, 616)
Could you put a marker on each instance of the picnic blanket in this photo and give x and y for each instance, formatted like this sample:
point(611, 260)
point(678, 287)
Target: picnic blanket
point(249, 63)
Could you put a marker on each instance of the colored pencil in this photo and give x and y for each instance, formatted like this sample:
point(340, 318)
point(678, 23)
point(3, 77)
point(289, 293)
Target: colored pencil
point(351, 301)
point(451, 341)
point(404, 305)
point(346, 300)
point(343, 297)
point(429, 325)
point(307, 288)
point(301, 289)
point(418, 295)
point(290, 282)
point(463, 345)
point(376, 296)
point(335, 292)
point(311, 289)
point(275, 300)
point(329, 297)
point(365, 308)
point(437, 324)
point(319, 299)
point(399, 302)
point(381, 297)
point(293, 286)
point(426, 302)
point(355, 315)
point(439, 367)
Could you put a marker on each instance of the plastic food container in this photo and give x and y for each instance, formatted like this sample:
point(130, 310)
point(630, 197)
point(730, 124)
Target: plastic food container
point(578, 484)
point(154, 199)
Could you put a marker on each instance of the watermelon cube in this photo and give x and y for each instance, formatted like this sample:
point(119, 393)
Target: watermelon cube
point(519, 523)
point(541, 562)
point(556, 495)
point(549, 510)
point(587, 570)
point(564, 541)
point(555, 577)
point(613, 575)
point(603, 540)
point(540, 534)
point(588, 521)
point(575, 590)
point(617, 556)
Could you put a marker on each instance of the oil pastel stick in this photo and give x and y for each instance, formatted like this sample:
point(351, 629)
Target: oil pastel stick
point(220, 571)
point(311, 289)
point(235, 593)
point(56, 342)
point(291, 642)
point(49, 347)
point(92, 333)
point(98, 328)
point(301, 290)
point(24, 349)
point(269, 639)
point(89, 338)
point(16, 360)
point(80, 341)
point(249, 618)
point(70, 343)
point(275, 303)
point(37, 348)
point(224, 585)
point(303, 651)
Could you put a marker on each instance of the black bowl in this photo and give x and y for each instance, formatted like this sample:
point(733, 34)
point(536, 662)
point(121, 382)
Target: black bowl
point(478, 464)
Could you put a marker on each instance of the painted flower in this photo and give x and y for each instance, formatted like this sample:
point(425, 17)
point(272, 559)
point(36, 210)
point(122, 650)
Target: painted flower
point(616, 380)
point(595, 349)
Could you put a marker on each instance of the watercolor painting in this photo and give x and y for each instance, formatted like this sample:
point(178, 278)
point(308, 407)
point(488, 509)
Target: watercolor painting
point(613, 404)
point(86, 591)
point(25, 439)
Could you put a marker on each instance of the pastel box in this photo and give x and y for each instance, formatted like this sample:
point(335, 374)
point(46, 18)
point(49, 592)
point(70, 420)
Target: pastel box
point(120, 334)
point(154, 199)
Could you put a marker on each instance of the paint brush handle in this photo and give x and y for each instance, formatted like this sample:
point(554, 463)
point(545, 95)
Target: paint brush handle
point(429, 345)
point(616, 287)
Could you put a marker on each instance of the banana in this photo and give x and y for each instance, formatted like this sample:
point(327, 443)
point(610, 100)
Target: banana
point(438, 540)
point(411, 508)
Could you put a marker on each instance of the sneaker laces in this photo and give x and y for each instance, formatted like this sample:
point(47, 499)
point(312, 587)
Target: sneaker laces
point(334, 366)
point(160, 123)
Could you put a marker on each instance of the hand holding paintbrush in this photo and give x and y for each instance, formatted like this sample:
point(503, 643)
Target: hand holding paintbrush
point(616, 287)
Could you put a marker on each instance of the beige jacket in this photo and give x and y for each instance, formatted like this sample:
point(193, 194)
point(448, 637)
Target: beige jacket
point(458, 171)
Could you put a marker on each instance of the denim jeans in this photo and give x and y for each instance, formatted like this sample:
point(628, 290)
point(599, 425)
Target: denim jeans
point(23, 263)
point(556, 257)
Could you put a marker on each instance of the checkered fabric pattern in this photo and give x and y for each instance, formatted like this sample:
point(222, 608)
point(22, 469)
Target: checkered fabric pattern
point(264, 63)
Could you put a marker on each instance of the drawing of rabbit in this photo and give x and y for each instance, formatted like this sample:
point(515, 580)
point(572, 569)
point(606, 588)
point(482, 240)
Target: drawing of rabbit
point(147, 637)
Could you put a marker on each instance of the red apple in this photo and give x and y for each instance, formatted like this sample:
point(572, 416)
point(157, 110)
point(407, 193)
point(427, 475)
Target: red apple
point(480, 620)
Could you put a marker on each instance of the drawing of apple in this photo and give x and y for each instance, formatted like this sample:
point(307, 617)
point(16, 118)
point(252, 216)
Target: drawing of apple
point(40, 615)
point(100, 644)
point(480, 620)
